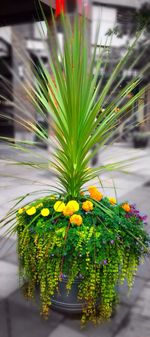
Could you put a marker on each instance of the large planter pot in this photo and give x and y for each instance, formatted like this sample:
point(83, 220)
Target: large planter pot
point(140, 140)
point(67, 301)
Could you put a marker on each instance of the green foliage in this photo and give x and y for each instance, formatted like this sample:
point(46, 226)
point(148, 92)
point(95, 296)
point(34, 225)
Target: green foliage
point(103, 252)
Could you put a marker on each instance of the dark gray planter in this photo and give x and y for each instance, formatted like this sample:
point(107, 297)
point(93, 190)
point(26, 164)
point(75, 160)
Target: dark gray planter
point(67, 302)
point(140, 140)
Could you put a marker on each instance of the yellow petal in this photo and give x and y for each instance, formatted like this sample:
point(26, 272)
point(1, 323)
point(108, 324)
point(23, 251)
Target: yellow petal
point(31, 211)
point(59, 206)
point(73, 204)
point(45, 212)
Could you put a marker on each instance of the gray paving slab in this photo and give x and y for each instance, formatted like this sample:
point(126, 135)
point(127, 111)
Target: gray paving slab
point(129, 298)
point(137, 326)
point(9, 280)
point(8, 250)
point(144, 270)
point(107, 329)
point(26, 321)
point(4, 319)
point(143, 303)
point(63, 331)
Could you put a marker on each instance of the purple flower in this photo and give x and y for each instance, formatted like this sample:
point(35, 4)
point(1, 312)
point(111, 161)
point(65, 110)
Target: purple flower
point(112, 242)
point(133, 206)
point(104, 262)
point(135, 212)
point(144, 218)
point(62, 276)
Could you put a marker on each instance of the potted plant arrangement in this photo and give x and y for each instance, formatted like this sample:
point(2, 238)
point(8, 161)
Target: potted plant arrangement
point(77, 240)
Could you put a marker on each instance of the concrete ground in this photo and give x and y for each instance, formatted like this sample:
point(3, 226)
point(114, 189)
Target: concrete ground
point(19, 318)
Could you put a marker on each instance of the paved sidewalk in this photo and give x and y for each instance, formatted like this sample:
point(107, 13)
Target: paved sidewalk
point(20, 318)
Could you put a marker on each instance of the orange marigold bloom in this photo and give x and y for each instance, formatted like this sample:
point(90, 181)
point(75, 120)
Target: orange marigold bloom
point(92, 189)
point(96, 195)
point(126, 207)
point(76, 219)
point(87, 206)
point(68, 210)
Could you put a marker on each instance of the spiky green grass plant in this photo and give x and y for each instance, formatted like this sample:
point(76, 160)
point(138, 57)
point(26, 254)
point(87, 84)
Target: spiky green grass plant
point(73, 99)
point(70, 94)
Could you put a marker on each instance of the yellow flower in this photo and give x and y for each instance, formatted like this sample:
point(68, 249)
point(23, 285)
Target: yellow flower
point(73, 204)
point(59, 206)
point(126, 207)
point(67, 211)
point(20, 211)
point(76, 219)
point(31, 211)
point(87, 206)
point(45, 212)
point(112, 200)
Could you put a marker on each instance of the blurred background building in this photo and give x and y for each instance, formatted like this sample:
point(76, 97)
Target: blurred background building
point(20, 35)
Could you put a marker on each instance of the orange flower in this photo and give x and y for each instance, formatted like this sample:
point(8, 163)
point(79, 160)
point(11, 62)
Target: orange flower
point(126, 207)
point(92, 189)
point(68, 210)
point(87, 206)
point(112, 200)
point(76, 219)
point(96, 195)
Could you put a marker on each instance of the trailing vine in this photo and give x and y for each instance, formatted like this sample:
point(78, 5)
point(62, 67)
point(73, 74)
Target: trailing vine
point(93, 239)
